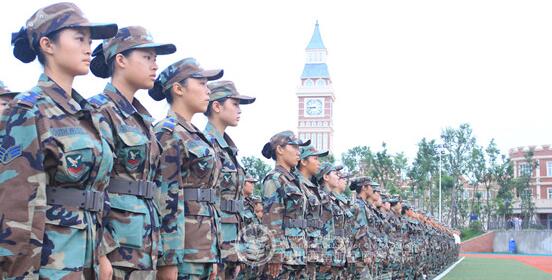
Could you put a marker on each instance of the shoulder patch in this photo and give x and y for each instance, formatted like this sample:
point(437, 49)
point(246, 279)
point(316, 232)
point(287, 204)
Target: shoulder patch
point(168, 123)
point(27, 99)
point(98, 100)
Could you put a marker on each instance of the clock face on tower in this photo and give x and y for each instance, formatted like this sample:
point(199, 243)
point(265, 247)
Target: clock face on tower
point(314, 107)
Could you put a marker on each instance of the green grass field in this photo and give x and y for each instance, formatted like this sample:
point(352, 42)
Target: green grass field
point(491, 269)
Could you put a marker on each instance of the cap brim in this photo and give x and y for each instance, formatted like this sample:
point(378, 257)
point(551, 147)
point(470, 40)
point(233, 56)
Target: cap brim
point(244, 99)
point(321, 154)
point(101, 30)
point(210, 75)
point(160, 49)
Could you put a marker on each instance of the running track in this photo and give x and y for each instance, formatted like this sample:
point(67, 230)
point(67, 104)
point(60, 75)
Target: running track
point(543, 263)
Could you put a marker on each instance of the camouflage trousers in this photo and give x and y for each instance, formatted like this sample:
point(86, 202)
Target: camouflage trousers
point(251, 273)
point(360, 271)
point(335, 273)
point(291, 272)
point(194, 271)
point(125, 273)
point(227, 270)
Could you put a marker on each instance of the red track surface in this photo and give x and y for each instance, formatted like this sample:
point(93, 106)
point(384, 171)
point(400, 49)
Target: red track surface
point(543, 263)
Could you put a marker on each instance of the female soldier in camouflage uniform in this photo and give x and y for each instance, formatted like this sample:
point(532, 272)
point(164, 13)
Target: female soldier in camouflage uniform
point(318, 209)
point(285, 205)
point(55, 160)
point(188, 170)
point(252, 219)
point(131, 236)
point(223, 111)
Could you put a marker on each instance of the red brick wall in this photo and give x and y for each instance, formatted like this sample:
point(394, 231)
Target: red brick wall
point(483, 243)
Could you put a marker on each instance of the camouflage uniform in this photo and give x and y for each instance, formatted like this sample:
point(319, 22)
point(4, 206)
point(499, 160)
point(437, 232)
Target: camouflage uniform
point(188, 171)
point(229, 184)
point(250, 223)
point(131, 238)
point(345, 204)
point(316, 215)
point(364, 243)
point(54, 167)
point(284, 212)
point(52, 144)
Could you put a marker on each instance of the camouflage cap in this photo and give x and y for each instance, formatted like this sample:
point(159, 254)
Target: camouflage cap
point(384, 197)
point(360, 182)
point(50, 19)
point(310, 150)
point(394, 201)
point(132, 37)
point(177, 72)
point(406, 206)
point(250, 178)
point(3, 88)
point(344, 175)
point(226, 89)
point(326, 168)
point(281, 139)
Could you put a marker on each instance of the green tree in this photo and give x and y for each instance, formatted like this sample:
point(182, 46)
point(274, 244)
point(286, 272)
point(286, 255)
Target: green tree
point(459, 144)
point(357, 160)
point(424, 170)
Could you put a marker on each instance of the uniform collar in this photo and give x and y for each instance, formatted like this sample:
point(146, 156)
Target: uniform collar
point(71, 104)
point(122, 103)
point(212, 131)
point(286, 173)
point(304, 180)
point(183, 122)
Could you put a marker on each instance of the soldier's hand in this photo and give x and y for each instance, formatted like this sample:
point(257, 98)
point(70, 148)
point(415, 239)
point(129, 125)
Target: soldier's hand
point(106, 270)
point(214, 272)
point(169, 272)
point(274, 269)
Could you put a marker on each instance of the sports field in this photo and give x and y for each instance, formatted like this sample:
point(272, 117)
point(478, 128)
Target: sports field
point(502, 267)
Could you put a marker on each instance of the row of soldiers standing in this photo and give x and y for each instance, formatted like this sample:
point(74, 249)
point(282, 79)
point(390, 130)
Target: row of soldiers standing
point(93, 189)
point(316, 231)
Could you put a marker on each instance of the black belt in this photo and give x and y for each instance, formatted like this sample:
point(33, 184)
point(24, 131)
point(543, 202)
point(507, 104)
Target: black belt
point(315, 223)
point(140, 188)
point(202, 195)
point(295, 223)
point(231, 205)
point(92, 201)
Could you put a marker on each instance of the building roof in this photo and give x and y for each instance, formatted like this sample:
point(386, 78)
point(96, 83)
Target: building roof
point(315, 70)
point(316, 39)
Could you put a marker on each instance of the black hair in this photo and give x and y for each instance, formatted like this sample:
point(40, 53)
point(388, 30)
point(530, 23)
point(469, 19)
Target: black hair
point(209, 111)
point(268, 152)
point(101, 68)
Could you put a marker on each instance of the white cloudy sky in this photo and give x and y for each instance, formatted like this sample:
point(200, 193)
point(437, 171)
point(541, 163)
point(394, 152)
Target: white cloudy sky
point(402, 70)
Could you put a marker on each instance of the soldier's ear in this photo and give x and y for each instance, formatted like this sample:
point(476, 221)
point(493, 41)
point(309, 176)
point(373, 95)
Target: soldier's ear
point(279, 150)
point(177, 89)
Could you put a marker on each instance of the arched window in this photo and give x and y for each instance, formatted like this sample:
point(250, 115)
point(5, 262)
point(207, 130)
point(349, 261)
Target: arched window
point(309, 83)
point(320, 83)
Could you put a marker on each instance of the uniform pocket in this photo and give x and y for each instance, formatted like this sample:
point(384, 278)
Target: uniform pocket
point(133, 152)
point(64, 247)
point(201, 162)
point(128, 219)
point(76, 160)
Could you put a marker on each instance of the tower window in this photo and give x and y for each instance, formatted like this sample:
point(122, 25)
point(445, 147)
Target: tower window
point(309, 83)
point(320, 83)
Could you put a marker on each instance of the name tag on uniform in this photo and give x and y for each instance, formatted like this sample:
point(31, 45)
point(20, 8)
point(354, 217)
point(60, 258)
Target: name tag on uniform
point(66, 131)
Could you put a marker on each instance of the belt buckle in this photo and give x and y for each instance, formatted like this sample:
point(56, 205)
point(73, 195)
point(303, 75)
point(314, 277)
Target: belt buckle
point(204, 195)
point(149, 189)
point(93, 201)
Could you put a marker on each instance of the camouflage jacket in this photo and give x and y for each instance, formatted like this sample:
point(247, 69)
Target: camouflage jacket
point(131, 234)
point(284, 209)
point(188, 161)
point(319, 219)
point(364, 240)
point(249, 217)
point(343, 217)
point(50, 139)
point(229, 188)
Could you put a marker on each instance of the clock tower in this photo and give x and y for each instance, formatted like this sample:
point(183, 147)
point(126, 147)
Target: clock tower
point(316, 96)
